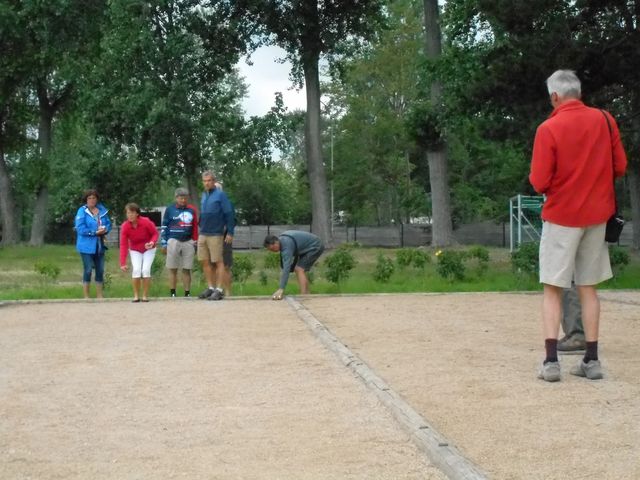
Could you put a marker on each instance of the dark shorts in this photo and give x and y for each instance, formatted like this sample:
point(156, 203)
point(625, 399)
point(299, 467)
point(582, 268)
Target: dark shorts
point(307, 260)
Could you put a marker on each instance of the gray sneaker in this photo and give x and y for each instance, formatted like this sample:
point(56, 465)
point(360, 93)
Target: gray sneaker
point(591, 370)
point(216, 295)
point(206, 293)
point(550, 372)
point(574, 343)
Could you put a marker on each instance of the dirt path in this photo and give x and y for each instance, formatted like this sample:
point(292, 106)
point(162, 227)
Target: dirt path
point(467, 363)
point(242, 389)
point(186, 389)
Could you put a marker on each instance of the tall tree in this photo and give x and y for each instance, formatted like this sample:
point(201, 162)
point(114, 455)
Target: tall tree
point(374, 91)
point(13, 77)
point(306, 30)
point(516, 44)
point(442, 227)
point(59, 37)
point(609, 34)
point(166, 85)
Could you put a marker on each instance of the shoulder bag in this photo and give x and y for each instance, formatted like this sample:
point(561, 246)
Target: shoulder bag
point(615, 223)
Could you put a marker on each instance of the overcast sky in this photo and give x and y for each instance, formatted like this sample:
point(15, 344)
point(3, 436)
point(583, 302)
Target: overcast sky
point(264, 78)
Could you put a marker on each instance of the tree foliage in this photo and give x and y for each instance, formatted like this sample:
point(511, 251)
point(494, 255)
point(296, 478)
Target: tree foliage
point(375, 155)
point(135, 98)
point(307, 30)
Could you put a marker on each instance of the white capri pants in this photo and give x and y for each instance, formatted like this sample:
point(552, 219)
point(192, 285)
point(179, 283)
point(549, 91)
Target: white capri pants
point(141, 263)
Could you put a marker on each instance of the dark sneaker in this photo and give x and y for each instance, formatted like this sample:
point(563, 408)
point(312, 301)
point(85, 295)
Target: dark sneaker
point(207, 293)
point(187, 294)
point(550, 372)
point(216, 295)
point(591, 370)
point(575, 343)
point(173, 295)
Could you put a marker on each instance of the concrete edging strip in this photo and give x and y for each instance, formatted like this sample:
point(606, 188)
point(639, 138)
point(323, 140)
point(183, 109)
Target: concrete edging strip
point(440, 452)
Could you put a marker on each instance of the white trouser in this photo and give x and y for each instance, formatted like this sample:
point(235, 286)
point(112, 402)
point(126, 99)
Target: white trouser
point(141, 263)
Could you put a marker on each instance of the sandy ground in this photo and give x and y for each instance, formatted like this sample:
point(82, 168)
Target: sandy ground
point(468, 362)
point(242, 389)
point(186, 389)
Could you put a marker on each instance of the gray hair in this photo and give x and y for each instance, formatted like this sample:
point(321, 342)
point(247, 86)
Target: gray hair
point(182, 192)
point(565, 83)
point(208, 173)
point(270, 240)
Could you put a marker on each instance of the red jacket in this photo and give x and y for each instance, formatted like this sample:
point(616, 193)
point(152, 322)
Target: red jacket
point(134, 238)
point(574, 158)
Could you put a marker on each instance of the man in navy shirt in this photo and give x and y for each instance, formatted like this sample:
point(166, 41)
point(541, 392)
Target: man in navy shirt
point(178, 240)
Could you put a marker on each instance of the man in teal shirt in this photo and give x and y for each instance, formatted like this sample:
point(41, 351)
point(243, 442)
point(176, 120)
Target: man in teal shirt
point(298, 252)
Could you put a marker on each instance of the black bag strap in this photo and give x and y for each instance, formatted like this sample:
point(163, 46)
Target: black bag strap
point(296, 256)
point(615, 197)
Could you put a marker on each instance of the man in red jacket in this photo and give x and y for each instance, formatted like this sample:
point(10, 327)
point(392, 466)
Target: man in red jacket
point(576, 154)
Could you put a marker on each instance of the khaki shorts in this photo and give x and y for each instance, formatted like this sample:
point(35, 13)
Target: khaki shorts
point(571, 252)
point(210, 247)
point(180, 254)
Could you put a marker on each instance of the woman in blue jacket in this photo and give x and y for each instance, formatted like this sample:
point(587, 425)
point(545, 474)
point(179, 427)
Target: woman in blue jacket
point(92, 224)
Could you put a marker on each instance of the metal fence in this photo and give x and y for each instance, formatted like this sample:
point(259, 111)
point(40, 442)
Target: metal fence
point(487, 233)
point(393, 236)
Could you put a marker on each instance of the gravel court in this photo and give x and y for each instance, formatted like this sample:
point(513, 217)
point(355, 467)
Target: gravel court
point(238, 389)
point(467, 363)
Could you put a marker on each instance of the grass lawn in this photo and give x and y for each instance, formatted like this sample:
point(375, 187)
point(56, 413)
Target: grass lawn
point(19, 278)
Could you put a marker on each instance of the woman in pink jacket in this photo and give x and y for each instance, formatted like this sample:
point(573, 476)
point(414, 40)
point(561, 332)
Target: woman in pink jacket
point(138, 236)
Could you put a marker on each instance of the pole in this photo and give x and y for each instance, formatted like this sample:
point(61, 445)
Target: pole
point(332, 212)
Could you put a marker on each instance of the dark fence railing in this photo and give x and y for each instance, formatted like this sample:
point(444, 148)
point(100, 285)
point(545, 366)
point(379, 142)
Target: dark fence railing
point(393, 236)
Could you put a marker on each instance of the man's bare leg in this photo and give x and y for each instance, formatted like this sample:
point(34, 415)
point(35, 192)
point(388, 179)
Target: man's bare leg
point(186, 279)
point(303, 281)
point(590, 312)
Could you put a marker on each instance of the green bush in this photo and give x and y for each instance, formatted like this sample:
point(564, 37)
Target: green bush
point(107, 280)
point(420, 258)
point(619, 259)
point(384, 269)
point(262, 277)
point(242, 268)
point(49, 271)
point(158, 265)
point(404, 257)
point(412, 256)
point(339, 265)
point(481, 257)
point(526, 259)
point(450, 264)
point(272, 261)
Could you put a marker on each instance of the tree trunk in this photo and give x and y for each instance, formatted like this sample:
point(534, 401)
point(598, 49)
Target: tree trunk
point(48, 108)
point(442, 229)
point(39, 221)
point(192, 180)
point(7, 202)
point(633, 174)
point(320, 216)
point(442, 226)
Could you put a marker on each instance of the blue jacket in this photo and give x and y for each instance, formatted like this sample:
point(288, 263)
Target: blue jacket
point(216, 213)
point(86, 227)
